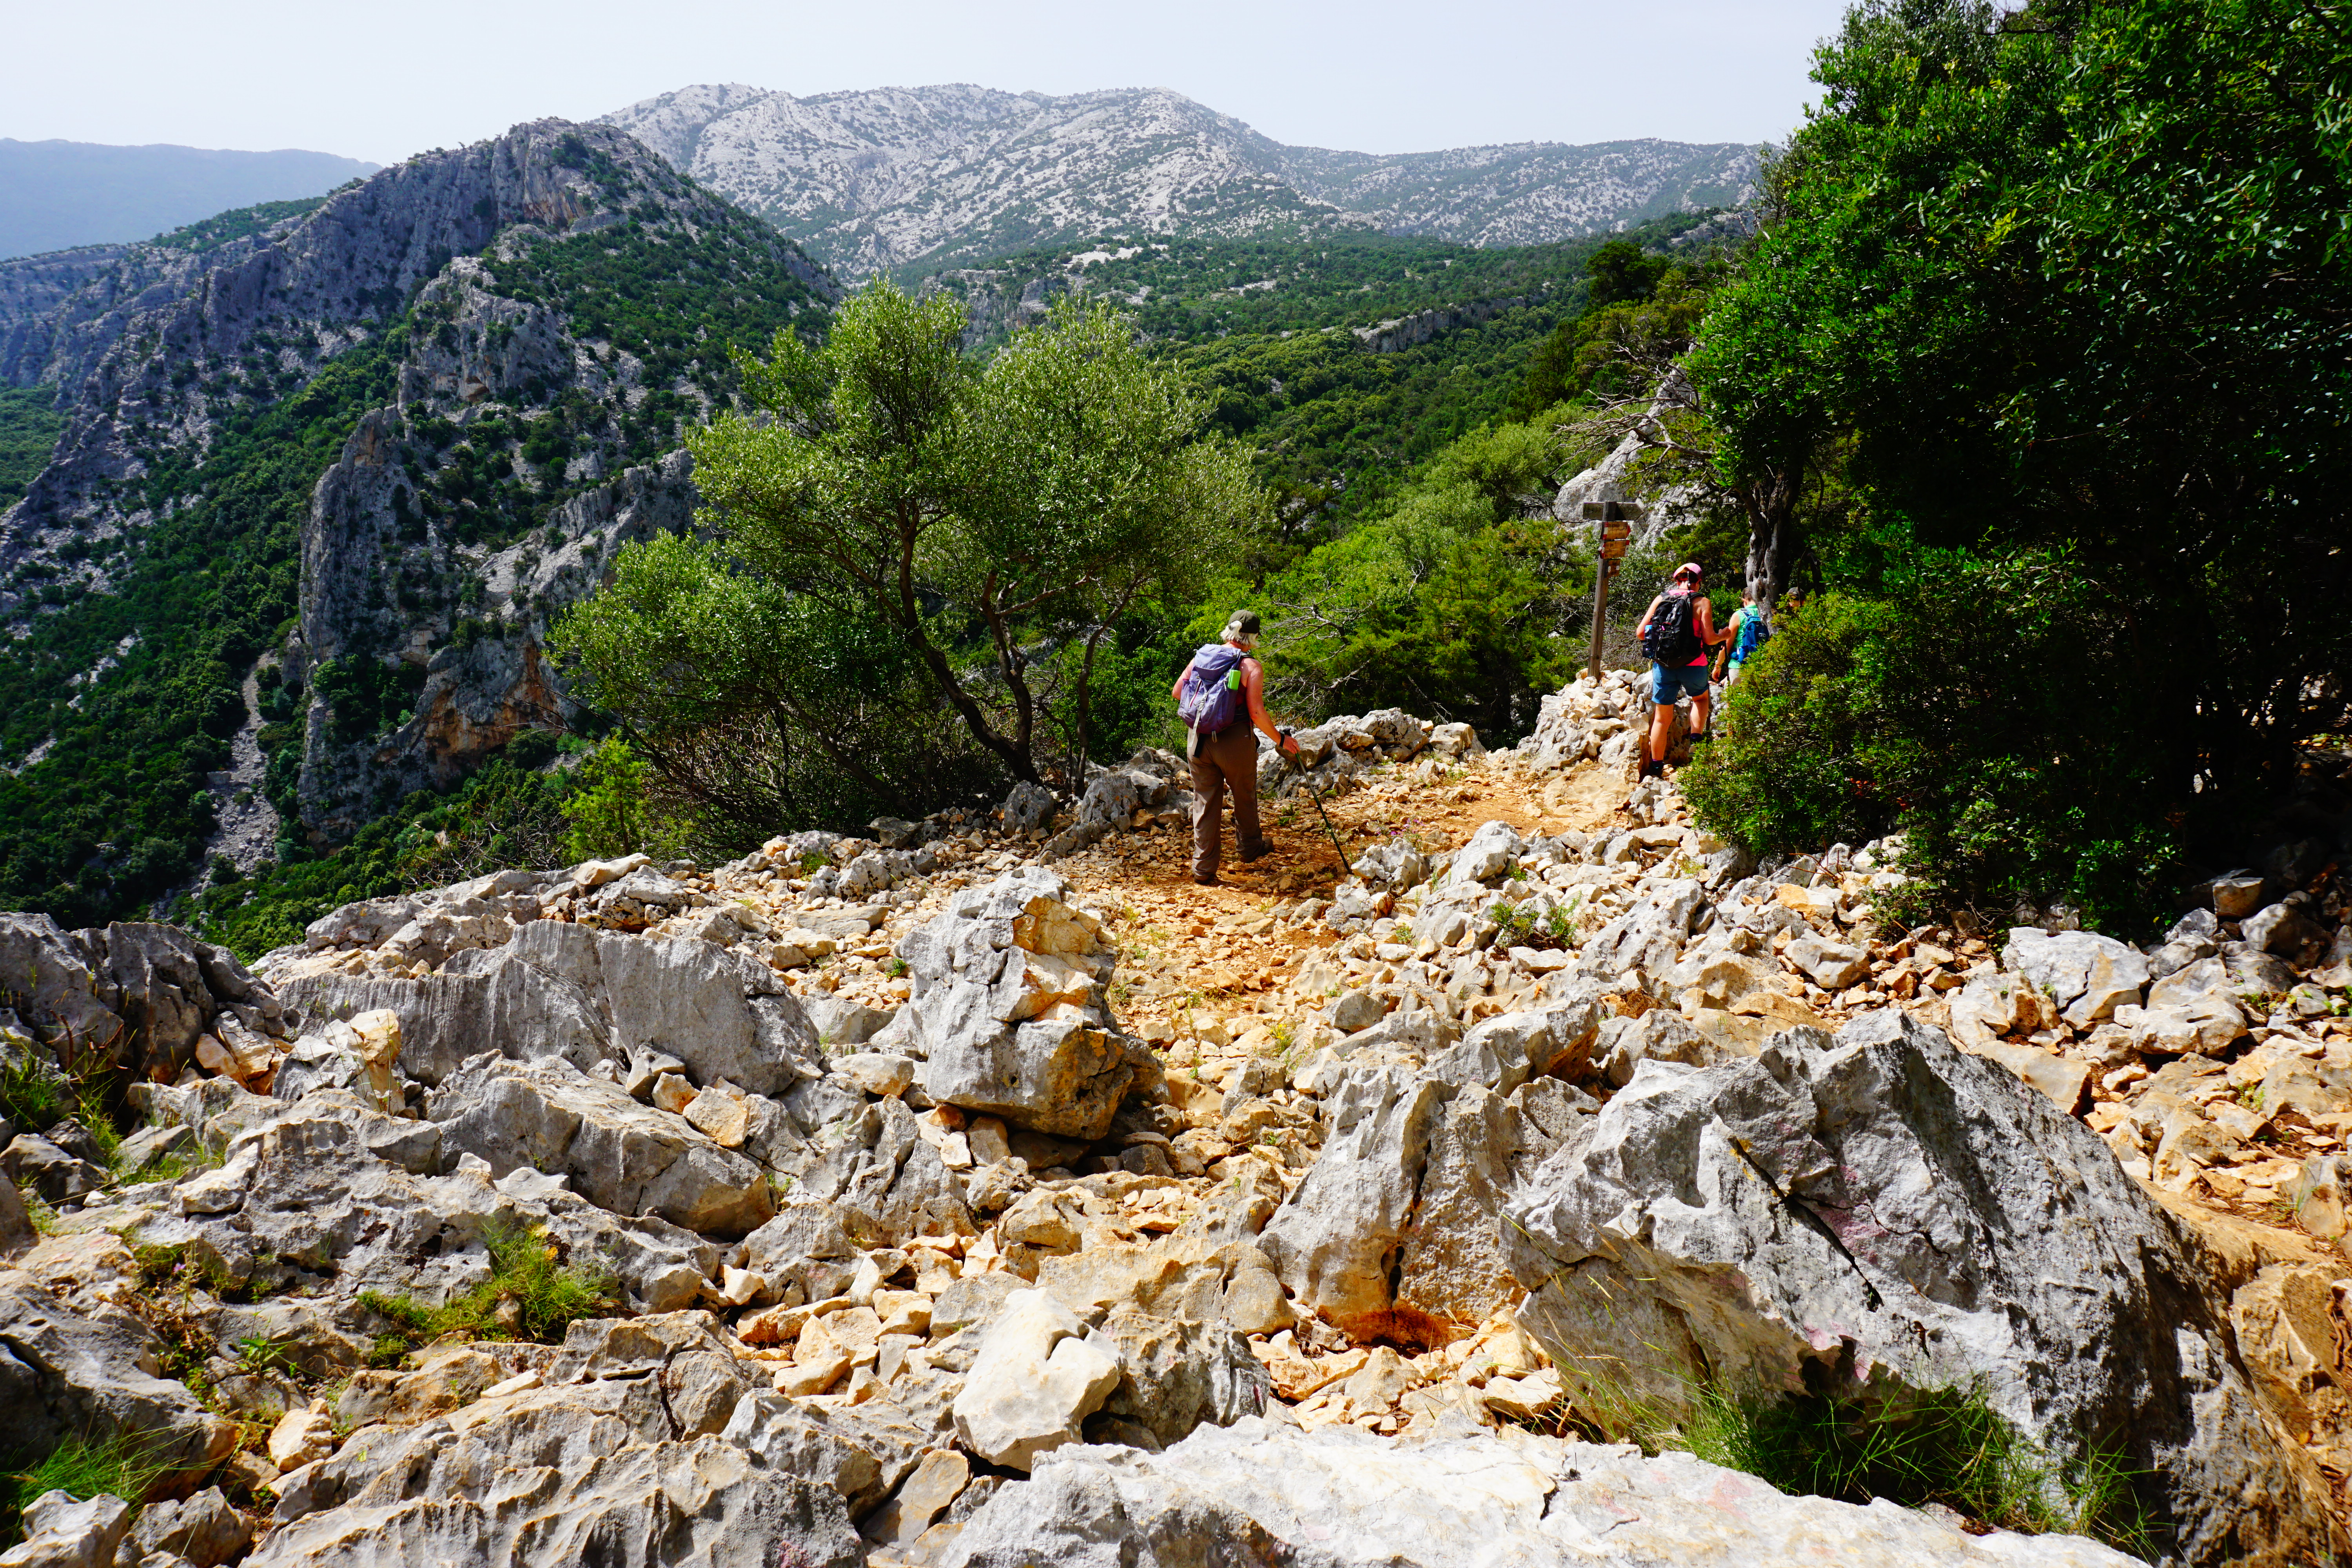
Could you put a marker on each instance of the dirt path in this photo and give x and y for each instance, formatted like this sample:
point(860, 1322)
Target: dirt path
point(1224, 952)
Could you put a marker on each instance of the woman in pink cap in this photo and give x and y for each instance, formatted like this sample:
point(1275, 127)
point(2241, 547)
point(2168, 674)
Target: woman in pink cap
point(1678, 654)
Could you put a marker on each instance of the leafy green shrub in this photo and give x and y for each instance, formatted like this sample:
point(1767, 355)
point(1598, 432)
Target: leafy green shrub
point(2010, 283)
point(547, 1296)
point(1782, 771)
point(1433, 609)
point(606, 813)
point(1986, 708)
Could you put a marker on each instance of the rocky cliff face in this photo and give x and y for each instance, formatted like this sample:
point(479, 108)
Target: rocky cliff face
point(874, 179)
point(150, 346)
point(538, 315)
point(497, 489)
point(475, 652)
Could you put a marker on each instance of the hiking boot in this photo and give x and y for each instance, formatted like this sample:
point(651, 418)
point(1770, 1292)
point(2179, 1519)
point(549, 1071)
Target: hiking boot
point(1210, 881)
point(1251, 857)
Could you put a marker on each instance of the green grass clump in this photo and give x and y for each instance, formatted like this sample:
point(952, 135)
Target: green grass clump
point(36, 1093)
point(180, 1267)
point(85, 1469)
point(1854, 1441)
point(1945, 1446)
point(547, 1296)
point(32, 1094)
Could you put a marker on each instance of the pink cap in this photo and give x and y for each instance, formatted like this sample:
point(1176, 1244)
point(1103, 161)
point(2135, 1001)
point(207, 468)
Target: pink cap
point(1688, 569)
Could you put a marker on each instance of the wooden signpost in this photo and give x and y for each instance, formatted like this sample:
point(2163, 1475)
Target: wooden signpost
point(1616, 519)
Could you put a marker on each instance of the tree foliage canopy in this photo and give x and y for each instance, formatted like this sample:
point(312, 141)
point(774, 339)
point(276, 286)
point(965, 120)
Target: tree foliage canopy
point(914, 560)
point(2071, 285)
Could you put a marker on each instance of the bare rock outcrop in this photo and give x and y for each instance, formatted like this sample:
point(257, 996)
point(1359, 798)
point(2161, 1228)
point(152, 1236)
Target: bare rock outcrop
point(1008, 1012)
point(151, 998)
point(1393, 1232)
point(83, 1368)
point(555, 988)
point(1258, 1491)
point(625, 1158)
point(1899, 1211)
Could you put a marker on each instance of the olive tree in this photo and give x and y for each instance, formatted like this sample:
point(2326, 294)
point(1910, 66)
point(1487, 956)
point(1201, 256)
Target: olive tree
point(910, 558)
point(756, 706)
point(1090, 488)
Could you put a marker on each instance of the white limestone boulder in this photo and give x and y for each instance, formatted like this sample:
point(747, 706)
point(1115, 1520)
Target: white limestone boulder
point(1036, 1380)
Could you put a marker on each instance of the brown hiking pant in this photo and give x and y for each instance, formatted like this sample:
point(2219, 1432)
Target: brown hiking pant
point(1219, 763)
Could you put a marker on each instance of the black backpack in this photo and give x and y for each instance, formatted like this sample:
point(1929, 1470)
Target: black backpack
point(1672, 638)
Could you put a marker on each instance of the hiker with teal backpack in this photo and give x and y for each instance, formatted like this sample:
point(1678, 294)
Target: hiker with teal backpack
point(1677, 633)
point(1221, 696)
point(1750, 628)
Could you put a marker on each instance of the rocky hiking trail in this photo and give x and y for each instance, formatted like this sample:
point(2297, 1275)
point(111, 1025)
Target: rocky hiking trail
point(980, 1191)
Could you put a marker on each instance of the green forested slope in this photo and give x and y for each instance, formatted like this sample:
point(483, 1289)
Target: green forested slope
point(28, 429)
point(114, 811)
point(1266, 325)
point(1191, 288)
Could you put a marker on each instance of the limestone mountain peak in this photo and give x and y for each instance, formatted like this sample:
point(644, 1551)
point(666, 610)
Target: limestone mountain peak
point(874, 179)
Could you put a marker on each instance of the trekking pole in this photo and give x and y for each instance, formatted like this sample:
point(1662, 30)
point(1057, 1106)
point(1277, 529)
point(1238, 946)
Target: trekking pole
point(1316, 796)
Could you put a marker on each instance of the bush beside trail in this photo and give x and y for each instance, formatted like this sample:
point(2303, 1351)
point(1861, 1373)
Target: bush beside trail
point(1991, 711)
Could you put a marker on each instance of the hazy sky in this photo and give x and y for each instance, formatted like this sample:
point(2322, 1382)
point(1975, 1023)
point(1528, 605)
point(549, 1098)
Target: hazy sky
point(380, 81)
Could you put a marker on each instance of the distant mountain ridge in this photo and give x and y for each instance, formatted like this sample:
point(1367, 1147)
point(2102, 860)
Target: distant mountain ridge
point(876, 180)
point(57, 194)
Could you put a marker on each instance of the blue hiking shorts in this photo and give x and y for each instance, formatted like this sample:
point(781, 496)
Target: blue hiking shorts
point(1670, 682)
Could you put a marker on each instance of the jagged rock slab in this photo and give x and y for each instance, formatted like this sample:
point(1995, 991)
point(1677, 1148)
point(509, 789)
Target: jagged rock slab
point(1393, 1232)
point(705, 1502)
point(1037, 1376)
point(66, 1371)
point(145, 992)
point(302, 1190)
point(1007, 1008)
point(556, 989)
point(862, 1453)
point(1258, 1492)
point(63, 1532)
point(1980, 1235)
point(625, 1157)
point(1335, 1241)
point(877, 1176)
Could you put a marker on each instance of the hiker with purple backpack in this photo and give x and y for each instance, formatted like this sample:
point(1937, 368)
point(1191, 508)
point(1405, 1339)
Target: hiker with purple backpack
point(1221, 696)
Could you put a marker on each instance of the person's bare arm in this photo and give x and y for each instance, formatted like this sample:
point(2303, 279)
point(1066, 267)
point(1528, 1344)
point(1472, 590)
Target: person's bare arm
point(1176, 692)
point(1707, 637)
point(1254, 690)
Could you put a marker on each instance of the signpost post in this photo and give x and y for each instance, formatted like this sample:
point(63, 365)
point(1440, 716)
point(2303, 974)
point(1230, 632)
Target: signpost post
point(1616, 519)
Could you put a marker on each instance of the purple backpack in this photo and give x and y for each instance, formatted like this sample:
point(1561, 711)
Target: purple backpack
point(1211, 698)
